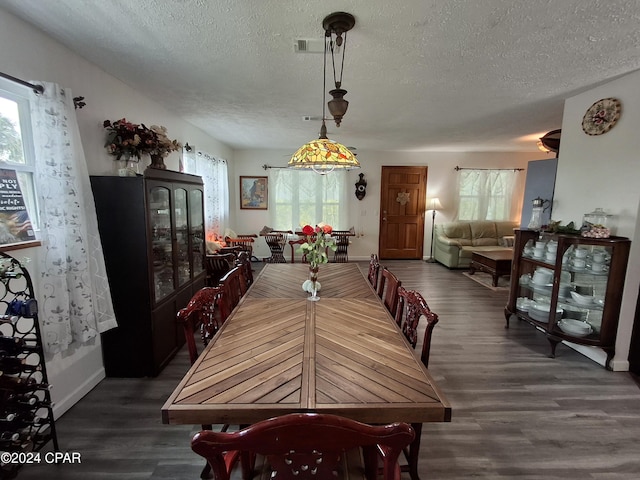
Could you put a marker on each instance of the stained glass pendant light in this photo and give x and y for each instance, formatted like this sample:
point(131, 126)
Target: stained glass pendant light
point(324, 155)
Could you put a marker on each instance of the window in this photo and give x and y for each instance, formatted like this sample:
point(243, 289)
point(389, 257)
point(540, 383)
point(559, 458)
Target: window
point(216, 188)
point(485, 194)
point(298, 198)
point(16, 142)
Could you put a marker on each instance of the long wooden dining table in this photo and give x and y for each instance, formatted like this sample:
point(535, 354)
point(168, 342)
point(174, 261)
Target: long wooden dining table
point(278, 353)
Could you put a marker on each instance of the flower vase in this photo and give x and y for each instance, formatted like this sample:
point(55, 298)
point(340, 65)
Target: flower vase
point(313, 277)
point(127, 167)
point(157, 161)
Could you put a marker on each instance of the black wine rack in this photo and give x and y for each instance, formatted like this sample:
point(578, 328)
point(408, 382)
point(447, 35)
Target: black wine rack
point(26, 415)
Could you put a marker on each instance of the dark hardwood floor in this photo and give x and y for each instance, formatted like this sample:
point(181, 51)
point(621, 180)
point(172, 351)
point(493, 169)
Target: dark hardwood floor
point(517, 414)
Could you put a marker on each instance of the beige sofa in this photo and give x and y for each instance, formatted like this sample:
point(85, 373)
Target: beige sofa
point(455, 242)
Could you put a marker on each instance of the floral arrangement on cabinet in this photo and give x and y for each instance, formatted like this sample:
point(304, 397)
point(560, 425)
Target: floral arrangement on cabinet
point(128, 141)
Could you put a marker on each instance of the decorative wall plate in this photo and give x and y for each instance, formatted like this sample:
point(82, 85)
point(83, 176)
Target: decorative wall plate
point(601, 116)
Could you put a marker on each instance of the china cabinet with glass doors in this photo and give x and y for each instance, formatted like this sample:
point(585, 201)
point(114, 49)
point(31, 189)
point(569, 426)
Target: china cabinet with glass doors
point(569, 287)
point(152, 232)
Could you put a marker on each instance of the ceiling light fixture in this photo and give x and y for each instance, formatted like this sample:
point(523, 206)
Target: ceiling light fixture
point(542, 147)
point(324, 155)
point(550, 142)
point(336, 27)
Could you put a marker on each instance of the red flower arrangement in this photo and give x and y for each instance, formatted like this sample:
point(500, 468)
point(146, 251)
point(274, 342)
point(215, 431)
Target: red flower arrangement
point(318, 239)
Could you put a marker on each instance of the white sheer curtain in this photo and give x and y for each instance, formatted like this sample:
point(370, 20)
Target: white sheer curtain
point(216, 187)
point(485, 194)
point(74, 297)
point(300, 197)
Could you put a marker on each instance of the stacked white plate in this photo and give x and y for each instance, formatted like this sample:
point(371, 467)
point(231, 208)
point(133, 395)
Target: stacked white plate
point(541, 312)
point(580, 299)
point(577, 328)
point(523, 304)
point(574, 313)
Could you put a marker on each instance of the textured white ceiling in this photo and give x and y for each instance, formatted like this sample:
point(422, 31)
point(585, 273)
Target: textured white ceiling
point(439, 75)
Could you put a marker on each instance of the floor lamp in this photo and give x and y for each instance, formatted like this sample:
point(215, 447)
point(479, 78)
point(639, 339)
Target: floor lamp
point(434, 205)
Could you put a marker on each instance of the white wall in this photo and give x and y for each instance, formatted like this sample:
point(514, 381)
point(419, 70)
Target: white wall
point(603, 171)
point(364, 214)
point(29, 55)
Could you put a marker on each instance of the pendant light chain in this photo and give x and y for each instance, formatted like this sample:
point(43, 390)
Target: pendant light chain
point(323, 155)
point(324, 85)
point(338, 83)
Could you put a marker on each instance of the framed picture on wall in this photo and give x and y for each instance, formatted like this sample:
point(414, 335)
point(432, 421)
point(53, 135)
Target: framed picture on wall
point(254, 194)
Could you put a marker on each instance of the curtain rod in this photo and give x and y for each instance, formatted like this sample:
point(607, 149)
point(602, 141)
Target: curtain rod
point(78, 102)
point(266, 167)
point(39, 89)
point(514, 169)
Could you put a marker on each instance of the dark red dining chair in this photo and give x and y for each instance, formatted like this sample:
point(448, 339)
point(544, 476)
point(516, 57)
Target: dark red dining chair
point(244, 263)
point(388, 290)
point(232, 291)
point(374, 270)
point(411, 307)
point(202, 312)
point(310, 446)
point(217, 265)
point(294, 245)
point(243, 241)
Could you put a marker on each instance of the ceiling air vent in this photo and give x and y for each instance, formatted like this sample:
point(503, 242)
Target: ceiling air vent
point(303, 45)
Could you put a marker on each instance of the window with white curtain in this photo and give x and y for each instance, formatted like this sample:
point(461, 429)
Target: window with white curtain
point(74, 298)
point(16, 142)
point(216, 188)
point(298, 198)
point(485, 194)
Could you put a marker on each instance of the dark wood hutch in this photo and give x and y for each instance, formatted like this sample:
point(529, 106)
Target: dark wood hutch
point(152, 232)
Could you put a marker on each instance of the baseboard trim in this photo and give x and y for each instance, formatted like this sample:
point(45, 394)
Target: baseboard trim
point(75, 396)
point(600, 357)
point(619, 365)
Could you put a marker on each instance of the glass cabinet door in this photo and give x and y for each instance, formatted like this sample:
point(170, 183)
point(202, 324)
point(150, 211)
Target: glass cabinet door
point(161, 244)
point(197, 230)
point(182, 235)
point(582, 300)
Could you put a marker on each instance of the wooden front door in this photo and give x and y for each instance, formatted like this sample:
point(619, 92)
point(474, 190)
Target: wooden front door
point(402, 207)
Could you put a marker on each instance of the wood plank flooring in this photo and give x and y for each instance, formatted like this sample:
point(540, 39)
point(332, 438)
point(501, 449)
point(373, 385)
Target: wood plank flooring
point(517, 414)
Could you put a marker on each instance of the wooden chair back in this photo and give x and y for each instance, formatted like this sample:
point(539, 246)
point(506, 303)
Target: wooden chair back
point(294, 245)
point(388, 290)
point(411, 307)
point(228, 249)
point(308, 446)
point(244, 263)
point(276, 240)
point(342, 238)
point(217, 266)
point(231, 286)
point(201, 312)
point(245, 242)
point(374, 270)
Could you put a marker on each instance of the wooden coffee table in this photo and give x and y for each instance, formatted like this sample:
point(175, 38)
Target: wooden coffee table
point(495, 262)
